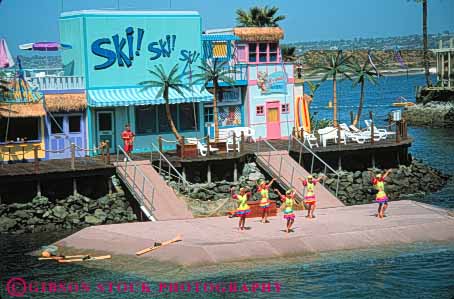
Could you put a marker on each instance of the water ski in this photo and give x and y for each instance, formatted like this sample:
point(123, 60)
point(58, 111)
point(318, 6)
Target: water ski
point(86, 258)
point(61, 257)
point(159, 245)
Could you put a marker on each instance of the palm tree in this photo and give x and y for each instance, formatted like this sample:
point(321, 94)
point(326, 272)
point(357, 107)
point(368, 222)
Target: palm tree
point(425, 41)
point(166, 82)
point(288, 53)
point(258, 17)
point(216, 72)
point(362, 73)
point(334, 66)
point(313, 88)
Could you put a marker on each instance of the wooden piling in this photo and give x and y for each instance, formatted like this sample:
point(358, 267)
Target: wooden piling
point(235, 171)
point(209, 173)
point(75, 186)
point(38, 188)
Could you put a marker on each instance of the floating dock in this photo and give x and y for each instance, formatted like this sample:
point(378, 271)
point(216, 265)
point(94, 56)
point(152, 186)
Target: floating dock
point(217, 240)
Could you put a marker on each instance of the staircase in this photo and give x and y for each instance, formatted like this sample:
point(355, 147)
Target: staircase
point(280, 165)
point(157, 200)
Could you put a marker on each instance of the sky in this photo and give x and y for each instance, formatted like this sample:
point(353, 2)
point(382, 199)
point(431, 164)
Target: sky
point(23, 21)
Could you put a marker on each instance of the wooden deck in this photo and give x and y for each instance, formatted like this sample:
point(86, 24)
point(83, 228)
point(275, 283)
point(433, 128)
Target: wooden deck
point(90, 166)
point(61, 168)
point(281, 144)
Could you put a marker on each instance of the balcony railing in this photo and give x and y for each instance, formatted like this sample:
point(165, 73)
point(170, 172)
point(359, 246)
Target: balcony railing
point(58, 82)
point(239, 75)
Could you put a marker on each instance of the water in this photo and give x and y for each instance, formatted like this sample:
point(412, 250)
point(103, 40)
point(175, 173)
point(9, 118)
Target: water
point(377, 98)
point(413, 271)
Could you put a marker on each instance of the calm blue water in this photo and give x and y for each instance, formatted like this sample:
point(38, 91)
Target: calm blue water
point(415, 271)
point(378, 98)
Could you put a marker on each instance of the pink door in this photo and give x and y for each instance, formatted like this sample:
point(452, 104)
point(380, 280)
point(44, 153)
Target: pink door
point(273, 121)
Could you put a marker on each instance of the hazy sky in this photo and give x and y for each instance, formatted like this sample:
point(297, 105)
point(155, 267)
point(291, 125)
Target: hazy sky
point(23, 21)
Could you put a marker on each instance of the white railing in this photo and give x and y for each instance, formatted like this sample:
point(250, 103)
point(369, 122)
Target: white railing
point(58, 82)
point(136, 183)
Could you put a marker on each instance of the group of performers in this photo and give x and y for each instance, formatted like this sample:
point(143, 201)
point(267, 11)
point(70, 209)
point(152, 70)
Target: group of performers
point(288, 199)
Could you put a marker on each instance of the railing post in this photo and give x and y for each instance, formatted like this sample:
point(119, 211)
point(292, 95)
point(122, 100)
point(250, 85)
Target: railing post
point(338, 134)
point(160, 163)
point(207, 140)
point(73, 156)
point(160, 143)
point(404, 129)
point(107, 152)
point(36, 159)
point(312, 164)
point(242, 142)
point(291, 180)
point(234, 143)
point(397, 131)
point(372, 133)
point(301, 154)
point(280, 167)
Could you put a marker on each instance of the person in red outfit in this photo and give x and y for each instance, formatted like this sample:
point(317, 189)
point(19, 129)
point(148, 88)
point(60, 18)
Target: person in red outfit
point(128, 139)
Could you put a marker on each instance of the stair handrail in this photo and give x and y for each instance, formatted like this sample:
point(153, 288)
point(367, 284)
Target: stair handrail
point(178, 175)
point(314, 155)
point(162, 156)
point(135, 188)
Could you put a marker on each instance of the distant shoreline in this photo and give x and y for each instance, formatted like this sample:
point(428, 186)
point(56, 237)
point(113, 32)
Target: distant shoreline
point(384, 73)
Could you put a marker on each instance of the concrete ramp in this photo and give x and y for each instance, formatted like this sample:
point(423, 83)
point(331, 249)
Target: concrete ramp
point(286, 170)
point(148, 187)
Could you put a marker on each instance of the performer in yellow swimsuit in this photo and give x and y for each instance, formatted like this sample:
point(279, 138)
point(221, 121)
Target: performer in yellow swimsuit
point(309, 198)
point(380, 197)
point(265, 203)
point(243, 208)
point(289, 201)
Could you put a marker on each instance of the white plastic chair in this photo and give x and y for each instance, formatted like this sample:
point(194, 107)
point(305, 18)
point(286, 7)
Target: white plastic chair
point(358, 137)
point(310, 139)
point(383, 133)
point(326, 134)
point(202, 148)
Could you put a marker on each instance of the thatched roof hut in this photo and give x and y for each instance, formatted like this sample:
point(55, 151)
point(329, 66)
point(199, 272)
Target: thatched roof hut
point(66, 102)
point(259, 33)
point(22, 110)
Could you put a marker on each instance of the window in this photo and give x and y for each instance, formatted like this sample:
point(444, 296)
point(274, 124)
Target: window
point(56, 125)
point(105, 121)
point(163, 123)
point(263, 47)
point(273, 52)
point(253, 52)
point(219, 49)
point(22, 128)
point(74, 124)
point(152, 119)
point(187, 120)
point(259, 110)
point(146, 120)
point(263, 52)
point(285, 108)
point(208, 115)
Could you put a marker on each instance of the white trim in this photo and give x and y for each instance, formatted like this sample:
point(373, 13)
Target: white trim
point(127, 12)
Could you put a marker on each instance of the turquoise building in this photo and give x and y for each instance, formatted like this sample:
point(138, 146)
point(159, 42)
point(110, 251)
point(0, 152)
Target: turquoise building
point(114, 51)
